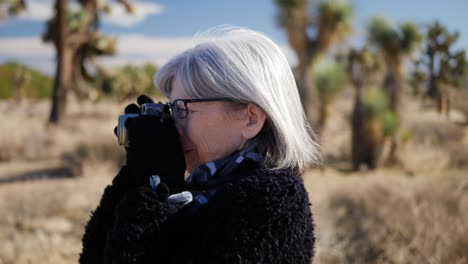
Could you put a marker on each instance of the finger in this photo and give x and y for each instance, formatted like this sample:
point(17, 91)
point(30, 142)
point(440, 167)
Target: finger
point(132, 109)
point(144, 99)
point(162, 191)
point(128, 123)
point(167, 120)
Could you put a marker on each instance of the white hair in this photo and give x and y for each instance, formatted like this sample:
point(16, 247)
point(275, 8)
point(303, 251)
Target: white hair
point(248, 67)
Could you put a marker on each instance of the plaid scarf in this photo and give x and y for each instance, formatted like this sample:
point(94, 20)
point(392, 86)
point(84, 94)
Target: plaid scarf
point(213, 171)
point(204, 181)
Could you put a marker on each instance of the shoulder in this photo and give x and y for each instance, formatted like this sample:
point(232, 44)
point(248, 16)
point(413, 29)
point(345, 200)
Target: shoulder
point(263, 187)
point(272, 181)
point(270, 209)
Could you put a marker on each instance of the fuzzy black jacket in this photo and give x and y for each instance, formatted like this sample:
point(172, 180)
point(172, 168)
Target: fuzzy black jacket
point(259, 216)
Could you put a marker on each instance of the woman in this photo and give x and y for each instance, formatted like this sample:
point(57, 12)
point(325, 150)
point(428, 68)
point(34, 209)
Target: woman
point(239, 130)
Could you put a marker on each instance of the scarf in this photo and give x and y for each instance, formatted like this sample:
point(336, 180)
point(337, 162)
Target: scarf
point(213, 172)
point(205, 180)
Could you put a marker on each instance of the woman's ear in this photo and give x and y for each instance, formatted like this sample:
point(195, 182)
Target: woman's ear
point(255, 119)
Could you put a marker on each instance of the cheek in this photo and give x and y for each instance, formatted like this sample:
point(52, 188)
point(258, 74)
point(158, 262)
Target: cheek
point(195, 136)
point(215, 139)
point(205, 138)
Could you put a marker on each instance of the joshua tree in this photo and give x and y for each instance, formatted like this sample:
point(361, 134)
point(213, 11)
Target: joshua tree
point(368, 133)
point(418, 78)
point(445, 66)
point(330, 22)
point(396, 44)
point(77, 40)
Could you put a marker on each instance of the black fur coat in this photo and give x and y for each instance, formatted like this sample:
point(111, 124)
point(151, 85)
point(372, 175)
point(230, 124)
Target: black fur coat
point(260, 216)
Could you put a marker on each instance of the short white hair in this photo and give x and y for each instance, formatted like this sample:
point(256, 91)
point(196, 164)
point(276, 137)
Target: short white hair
point(248, 67)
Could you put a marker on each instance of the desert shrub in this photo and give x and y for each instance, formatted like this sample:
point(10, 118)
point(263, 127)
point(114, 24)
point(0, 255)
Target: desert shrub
point(381, 223)
point(97, 152)
point(24, 82)
point(458, 154)
point(461, 102)
point(32, 146)
point(129, 82)
point(436, 133)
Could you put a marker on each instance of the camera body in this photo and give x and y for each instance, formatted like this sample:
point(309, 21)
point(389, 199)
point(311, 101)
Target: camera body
point(156, 109)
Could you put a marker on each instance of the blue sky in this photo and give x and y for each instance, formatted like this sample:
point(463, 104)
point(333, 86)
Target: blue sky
point(160, 29)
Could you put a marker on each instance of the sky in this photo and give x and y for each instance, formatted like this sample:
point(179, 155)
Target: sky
point(161, 29)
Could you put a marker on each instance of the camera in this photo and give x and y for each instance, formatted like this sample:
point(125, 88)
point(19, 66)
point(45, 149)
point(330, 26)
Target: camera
point(155, 109)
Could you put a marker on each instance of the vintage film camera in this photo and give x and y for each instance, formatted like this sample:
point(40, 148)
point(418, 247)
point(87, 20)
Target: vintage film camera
point(156, 109)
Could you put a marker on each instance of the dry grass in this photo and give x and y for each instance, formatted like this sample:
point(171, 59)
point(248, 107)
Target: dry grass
point(388, 219)
point(42, 221)
point(415, 215)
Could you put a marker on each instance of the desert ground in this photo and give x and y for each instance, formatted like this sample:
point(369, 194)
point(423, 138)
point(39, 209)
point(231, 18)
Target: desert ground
point(52, 178)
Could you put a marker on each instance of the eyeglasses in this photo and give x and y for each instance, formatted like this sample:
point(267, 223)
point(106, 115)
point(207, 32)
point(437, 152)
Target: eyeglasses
point(179, 107)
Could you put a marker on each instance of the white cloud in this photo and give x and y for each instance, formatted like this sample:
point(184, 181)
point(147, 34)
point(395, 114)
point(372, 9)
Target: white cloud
point(31, 51)
point(42, 10)
point(130, 44)
point(44, 65)
point(131, 49)
point(25, 47)
point(119, 16)
point(37, 10)
point(140, 49)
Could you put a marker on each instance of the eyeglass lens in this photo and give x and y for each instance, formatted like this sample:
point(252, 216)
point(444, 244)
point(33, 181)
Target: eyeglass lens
point(180, 109)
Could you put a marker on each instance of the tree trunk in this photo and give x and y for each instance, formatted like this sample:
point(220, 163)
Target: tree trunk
point(308, 96)
point(367, 136)
point(323, 116)
point(306, 51)
point(432, 91)
point(64, 66)
point(357, 130)
point(395, 88)
point(395, 95)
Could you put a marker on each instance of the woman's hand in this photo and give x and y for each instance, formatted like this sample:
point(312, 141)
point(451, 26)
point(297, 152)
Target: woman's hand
point(139, 219)
point(154, 148)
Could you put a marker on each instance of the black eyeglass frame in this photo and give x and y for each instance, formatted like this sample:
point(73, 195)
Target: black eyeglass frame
point(187, 101)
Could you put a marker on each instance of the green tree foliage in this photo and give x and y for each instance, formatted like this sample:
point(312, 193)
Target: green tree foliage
point(19, 81)
point(377, 106)
point(331, 23)
point(330, 79)
point(367, 119)
point(396, 43)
